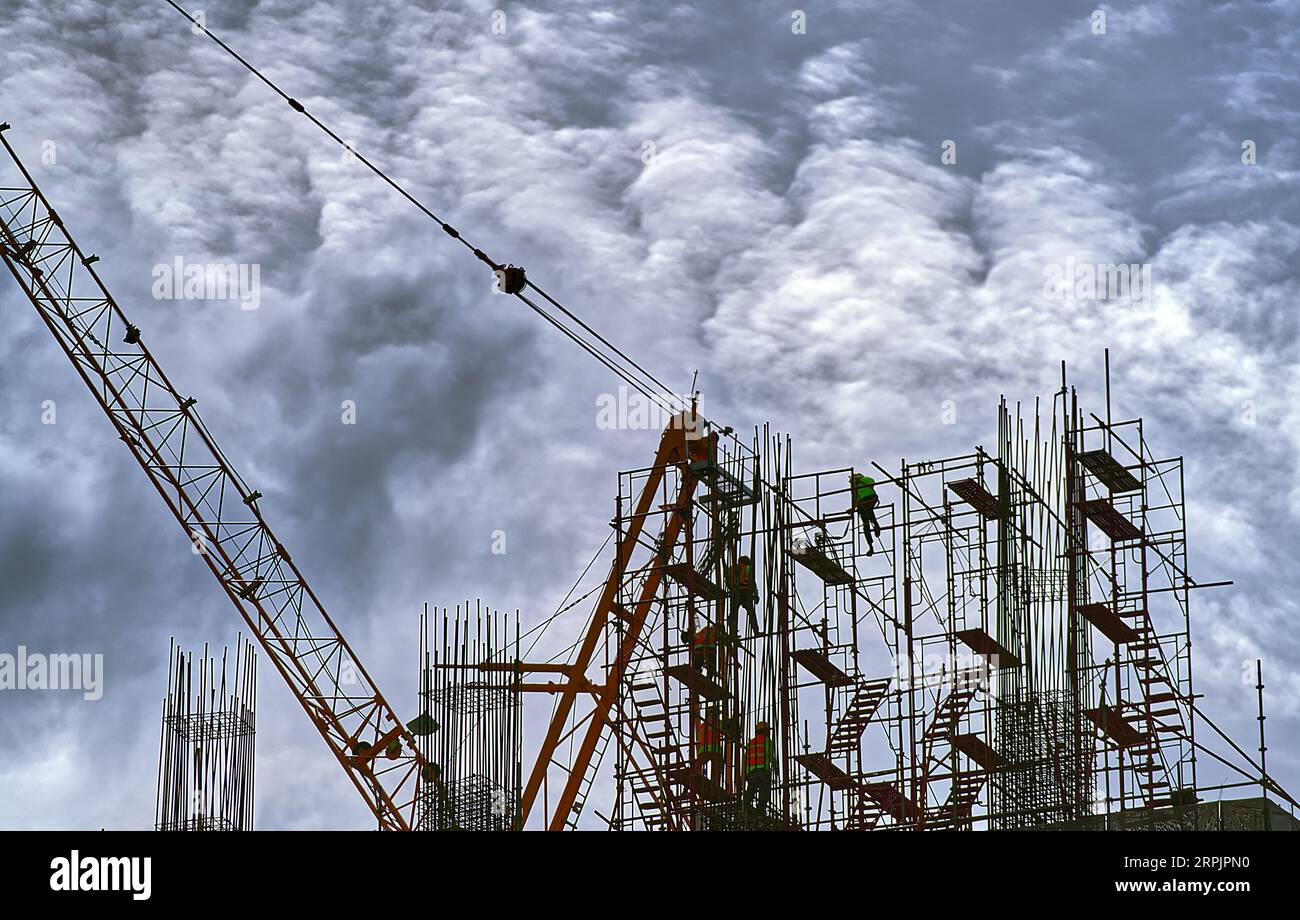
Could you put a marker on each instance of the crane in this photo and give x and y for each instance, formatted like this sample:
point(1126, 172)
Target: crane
point(220, 514)
point(161, 427)
point(221, 517)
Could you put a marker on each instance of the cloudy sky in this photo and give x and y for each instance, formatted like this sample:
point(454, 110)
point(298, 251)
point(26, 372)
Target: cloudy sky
point(706, 185)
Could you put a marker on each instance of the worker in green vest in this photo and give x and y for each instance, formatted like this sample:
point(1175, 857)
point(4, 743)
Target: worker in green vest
point(760, 767)
point(864, 502)
point(744, 594)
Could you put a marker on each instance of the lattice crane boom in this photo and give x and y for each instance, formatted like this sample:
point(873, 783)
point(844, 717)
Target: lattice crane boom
point(219, 513)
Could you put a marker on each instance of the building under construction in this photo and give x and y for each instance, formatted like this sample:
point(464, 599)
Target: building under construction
point(1007, 645)
point(1002, 641)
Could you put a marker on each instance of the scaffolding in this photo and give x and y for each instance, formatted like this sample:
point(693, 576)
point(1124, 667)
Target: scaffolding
point(1007, 647)
point(206, 751)
point(711, 661)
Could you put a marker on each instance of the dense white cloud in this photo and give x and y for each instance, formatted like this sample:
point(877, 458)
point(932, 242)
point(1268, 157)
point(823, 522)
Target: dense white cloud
point(795, 236)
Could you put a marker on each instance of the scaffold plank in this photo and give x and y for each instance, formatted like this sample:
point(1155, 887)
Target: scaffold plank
point(821, 667)
point(822, 767)
point(981, 643)
point(693, 581)
point(702, 684)
point(821, 565)
point(1108, 623)
point(889, 798)
point(977, 750)
point(1113, 725)
point(728, 491)
point(693, 781)
point(981, 499)
point(1110, 520)
point(1107, 469)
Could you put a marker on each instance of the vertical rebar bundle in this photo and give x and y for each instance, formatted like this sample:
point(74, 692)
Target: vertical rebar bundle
point(470, 725)
point(206, 753)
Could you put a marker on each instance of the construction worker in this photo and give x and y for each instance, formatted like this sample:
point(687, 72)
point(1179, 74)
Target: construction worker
point(704, 649)
point(708, 743)
point(864, 502)
point(760, 766)
point(702, 448)
point(744, 593)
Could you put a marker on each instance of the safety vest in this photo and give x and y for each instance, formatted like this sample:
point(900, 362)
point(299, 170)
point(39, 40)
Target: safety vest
point(706, 637)
point(703, 449)
point(759, 753)
point(706, 734)
point(742, 575)
point(864, 487)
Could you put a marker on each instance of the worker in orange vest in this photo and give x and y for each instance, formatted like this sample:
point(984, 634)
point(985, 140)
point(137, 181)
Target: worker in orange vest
point(703, 448)
point(708, 743)
point(760, 767)
point(744, 593)
point(704, 649)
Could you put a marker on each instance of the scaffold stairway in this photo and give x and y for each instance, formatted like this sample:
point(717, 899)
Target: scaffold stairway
point(867, 697)
point(653, 799)
point(652, 723)
point(1158, 702)
point(864, 814)
point(947, 715)
point(962, 796)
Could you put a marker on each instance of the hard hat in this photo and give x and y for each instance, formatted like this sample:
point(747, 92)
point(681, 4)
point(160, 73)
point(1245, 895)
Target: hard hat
point(761, 727)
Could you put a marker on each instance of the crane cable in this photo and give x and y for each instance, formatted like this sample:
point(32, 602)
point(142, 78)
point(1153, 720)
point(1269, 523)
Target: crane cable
point(649, 386)
point(664, 397)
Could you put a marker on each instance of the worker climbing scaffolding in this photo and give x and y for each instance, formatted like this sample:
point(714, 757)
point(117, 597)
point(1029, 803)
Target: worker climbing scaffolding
point(760, 768)
point(865, 500)
point(704, 649)
point(744, 594)
point(709, 756)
